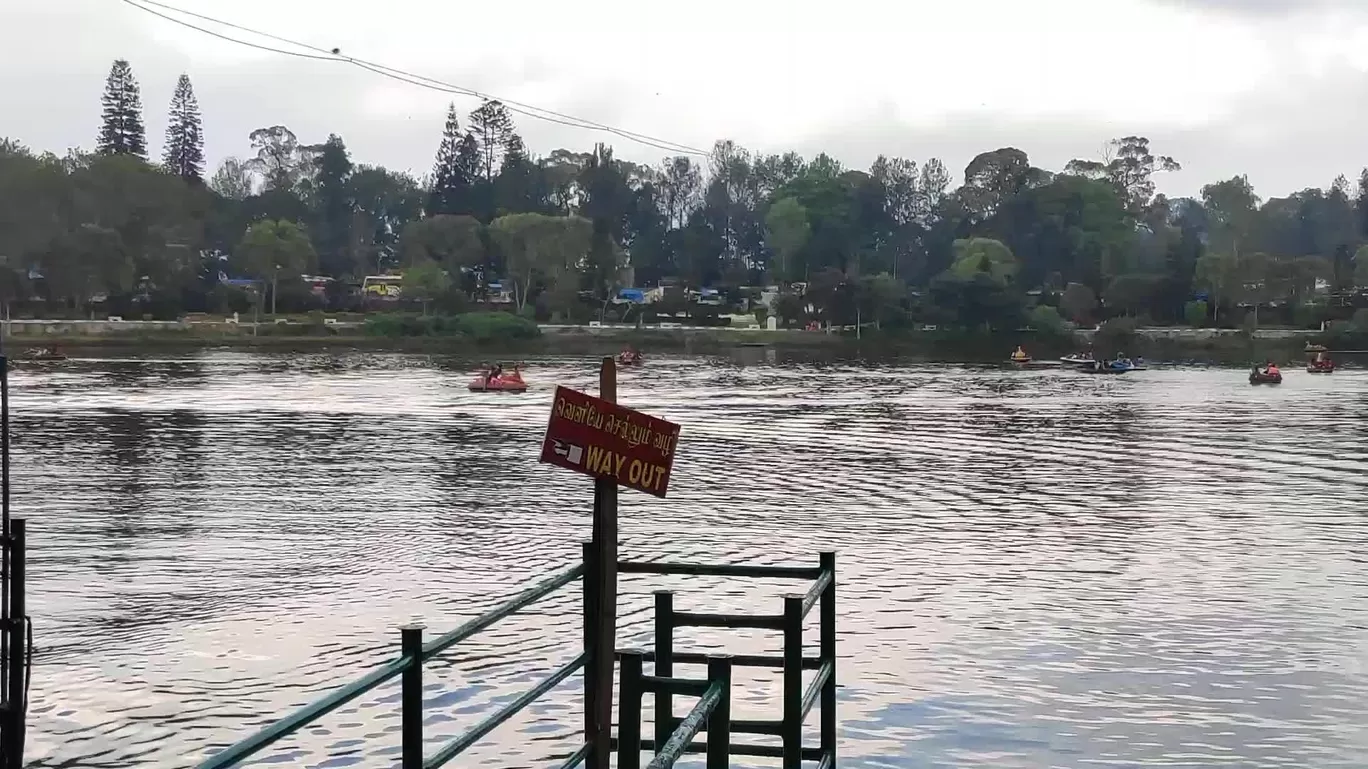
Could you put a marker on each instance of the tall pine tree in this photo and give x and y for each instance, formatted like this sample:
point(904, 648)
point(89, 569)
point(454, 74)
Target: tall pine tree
point(451, 178)
point(492, 127)
point(514, 189)
point(334, 208)
point(184, 154)
point(122, 131)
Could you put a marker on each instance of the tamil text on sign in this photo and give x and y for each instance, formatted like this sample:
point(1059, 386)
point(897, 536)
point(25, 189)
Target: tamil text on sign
point(606, 440)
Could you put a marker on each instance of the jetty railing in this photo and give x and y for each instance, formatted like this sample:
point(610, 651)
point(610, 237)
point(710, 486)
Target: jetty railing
point(413, 653)
point(712, 713)
point(16, 628)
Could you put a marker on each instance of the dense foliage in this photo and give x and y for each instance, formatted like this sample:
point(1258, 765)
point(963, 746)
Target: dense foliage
point(562, 233)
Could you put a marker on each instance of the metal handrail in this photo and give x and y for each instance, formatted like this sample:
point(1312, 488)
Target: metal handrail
point(674, 736)
point(460, 744)
point(306, 715)
point(711, 714)
point(333, 700)
point(689, 728)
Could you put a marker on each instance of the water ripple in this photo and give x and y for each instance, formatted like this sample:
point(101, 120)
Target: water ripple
point(1038, 568)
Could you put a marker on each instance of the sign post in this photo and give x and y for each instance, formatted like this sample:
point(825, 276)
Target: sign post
point(605, 544)
point(616, 446)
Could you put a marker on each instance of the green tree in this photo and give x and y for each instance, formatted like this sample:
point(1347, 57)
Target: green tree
point(122, 131)
point(519, 186)
point(1078, 302)
point(334, 208)
point(1218, 273)
point(984, 255)
point(1231, 206)
point(901, 202)
point(1130, 167)
point(383, 203)
point(184, 153)
point(540, 248)
point(786, 226)
point(879, 299)
point(451, 180)
point(1361, 267)
point(993, 179)
point(492, 126)
point(279, 160)
point(454, 242)
point(1132, 293)
point(426, 282)
point(1046, 319)
point(276, 250)
point(790, 309)
point(978, 301)
point(232, 180)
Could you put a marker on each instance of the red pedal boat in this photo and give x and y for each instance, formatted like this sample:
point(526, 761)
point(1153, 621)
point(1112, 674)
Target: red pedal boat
point(507, 382)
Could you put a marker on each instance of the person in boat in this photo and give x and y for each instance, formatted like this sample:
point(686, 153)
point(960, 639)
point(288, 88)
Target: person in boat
point(492, 371)
point(1020, 354)
point(1272, 369)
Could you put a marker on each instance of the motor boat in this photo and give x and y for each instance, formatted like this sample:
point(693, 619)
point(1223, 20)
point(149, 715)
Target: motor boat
point(1078, 359)
point(1263, 377)
point(1107, 367)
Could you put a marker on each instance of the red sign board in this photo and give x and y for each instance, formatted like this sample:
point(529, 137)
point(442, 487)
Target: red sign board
point(605, 440)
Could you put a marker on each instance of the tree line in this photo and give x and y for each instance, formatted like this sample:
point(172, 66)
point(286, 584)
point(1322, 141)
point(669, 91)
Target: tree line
point(903, 241)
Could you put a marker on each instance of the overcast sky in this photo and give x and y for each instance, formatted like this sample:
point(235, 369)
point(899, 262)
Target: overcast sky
point(1276, 89)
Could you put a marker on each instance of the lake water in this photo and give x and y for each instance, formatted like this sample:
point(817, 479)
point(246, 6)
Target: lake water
point(1037, 568)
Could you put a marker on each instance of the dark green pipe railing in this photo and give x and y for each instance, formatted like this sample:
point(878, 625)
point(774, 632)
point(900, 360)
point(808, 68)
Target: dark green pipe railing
point(675, 737)
point(409, 665)
point(672, 736)
point(460, 744)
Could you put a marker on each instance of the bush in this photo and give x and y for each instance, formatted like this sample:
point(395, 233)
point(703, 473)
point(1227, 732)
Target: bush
point(491, 326)
point(1115, 334)
point(1195, 313)
point(1047, 320)
point(475, 326)
point(1310, 315)
point(1360, 321)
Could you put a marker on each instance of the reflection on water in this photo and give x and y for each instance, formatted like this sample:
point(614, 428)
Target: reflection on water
point(1038, 568)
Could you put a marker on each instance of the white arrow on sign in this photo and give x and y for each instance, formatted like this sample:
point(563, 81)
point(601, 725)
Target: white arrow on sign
point(570, 451)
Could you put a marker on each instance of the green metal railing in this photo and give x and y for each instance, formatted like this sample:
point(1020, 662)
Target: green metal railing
point(712, 713)
point(413, 652)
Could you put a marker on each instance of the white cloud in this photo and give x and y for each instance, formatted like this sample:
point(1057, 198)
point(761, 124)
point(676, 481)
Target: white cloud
point(916, 78)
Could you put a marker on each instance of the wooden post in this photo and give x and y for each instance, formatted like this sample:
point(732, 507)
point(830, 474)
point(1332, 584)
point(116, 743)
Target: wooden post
point(605, 538)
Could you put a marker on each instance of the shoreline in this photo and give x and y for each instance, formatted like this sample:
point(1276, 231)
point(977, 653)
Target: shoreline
point(1159, 343)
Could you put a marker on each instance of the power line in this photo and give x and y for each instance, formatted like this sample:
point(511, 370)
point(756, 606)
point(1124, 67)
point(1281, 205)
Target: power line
point(231, 39)
point(322, 54)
